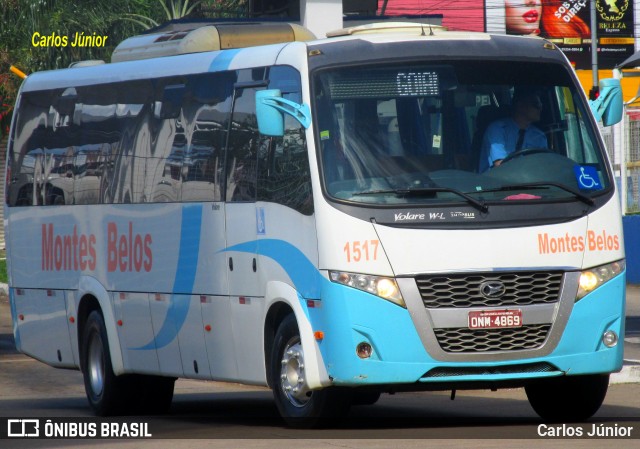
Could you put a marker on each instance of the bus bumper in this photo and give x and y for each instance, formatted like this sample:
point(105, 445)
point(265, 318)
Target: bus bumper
point(348, 317)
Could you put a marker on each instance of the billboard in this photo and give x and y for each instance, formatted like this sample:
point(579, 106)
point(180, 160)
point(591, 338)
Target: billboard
point(567, 23)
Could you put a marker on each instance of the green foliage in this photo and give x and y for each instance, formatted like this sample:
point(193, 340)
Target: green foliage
point(174, 9)
point(3, 271)
point(116, 19)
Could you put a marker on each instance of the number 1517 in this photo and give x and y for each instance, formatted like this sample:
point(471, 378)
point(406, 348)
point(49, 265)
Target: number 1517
point(364, 250)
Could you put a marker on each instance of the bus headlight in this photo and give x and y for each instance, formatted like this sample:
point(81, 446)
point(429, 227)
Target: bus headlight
point(384, 287)
point(594, 277)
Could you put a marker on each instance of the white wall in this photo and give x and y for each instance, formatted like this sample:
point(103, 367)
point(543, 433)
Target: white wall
point(321, 16)
point(495, 16)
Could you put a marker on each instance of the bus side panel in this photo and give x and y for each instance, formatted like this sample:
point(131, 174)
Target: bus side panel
point(26, 318)
point(193, 350)
point(136, 335)
point(216, 311)
point(247, 317)
point(72, 314)
point(288, 249)
point(42, 324)
point(168, 351)
point(268, 243)
point(240, 229)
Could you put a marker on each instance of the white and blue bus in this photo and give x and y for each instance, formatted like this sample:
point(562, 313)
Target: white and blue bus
point(312, 216)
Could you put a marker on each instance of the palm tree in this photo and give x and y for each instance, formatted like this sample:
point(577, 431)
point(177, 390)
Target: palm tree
point(173, 9)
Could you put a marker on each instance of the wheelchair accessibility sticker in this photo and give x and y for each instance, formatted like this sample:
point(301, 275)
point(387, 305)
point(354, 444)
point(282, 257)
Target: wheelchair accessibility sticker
point(587, 177)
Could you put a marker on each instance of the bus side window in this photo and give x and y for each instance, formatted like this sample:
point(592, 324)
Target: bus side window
point(242, 148)
point(283, 171)
point(33, 130)
point(283, 162)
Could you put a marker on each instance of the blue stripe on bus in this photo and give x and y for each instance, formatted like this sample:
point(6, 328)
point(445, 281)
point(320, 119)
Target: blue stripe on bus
point(184, 280)
point(303, 273)
point(223, 60)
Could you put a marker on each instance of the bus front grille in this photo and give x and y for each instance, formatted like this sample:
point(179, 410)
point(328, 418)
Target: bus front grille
point(529, 368)
point(465, 290)
point(464, 340)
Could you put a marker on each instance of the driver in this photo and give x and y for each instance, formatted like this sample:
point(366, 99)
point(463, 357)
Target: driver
point(508, 135)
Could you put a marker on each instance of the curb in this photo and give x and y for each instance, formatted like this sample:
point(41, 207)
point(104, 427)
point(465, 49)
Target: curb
point(628, 375)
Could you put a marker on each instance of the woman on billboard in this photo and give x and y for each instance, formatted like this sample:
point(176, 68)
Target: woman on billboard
point(545, 18)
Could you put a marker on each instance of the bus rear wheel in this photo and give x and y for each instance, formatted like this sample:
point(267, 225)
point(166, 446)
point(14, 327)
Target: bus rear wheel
point(109, 394)
point(297, 404)
point(568, 398)
point(106, 392)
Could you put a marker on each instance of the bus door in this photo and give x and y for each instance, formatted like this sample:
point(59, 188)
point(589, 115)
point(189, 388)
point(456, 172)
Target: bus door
point(242, 229)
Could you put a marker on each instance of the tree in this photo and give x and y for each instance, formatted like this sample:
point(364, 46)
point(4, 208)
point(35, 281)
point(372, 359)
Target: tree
point(174, 9)
point(25, 21)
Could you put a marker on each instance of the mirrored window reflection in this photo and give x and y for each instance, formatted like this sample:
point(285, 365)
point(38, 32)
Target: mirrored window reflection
point(165, 171)
point(283, 162)
point(88, 166)
point(242, 149)
point(116, 143)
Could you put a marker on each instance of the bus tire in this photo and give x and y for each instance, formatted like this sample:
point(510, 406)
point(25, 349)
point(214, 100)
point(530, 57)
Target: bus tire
point(106, 392)
point(299, 406)
point(568, 398)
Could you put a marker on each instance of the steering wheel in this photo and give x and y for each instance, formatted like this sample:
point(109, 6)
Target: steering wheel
point(525, 152)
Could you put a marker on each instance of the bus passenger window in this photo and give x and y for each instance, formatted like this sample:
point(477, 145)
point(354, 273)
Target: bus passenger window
point(242, 150)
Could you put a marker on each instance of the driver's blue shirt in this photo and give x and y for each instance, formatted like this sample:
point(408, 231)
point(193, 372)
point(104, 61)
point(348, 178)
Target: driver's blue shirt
point(500, 140)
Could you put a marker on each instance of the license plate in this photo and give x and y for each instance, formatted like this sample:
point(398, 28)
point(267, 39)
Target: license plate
point(495, 319)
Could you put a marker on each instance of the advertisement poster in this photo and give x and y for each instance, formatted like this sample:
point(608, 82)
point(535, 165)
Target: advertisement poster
point(567, 24)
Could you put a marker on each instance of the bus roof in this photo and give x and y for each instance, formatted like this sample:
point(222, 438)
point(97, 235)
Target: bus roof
point(363, 48)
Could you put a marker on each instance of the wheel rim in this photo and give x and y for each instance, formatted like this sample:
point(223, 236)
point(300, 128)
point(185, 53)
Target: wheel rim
point(95, 365)
point(292, 377)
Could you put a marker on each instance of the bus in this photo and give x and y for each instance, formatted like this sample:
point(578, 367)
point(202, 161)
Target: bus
point(311, 215)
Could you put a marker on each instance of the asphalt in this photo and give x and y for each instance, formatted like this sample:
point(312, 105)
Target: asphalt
point(630, 372)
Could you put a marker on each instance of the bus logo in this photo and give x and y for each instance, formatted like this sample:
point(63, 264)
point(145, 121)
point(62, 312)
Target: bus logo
point(492, 289)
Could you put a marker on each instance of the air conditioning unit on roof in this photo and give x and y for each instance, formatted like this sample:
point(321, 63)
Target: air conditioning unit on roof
point(208, 38)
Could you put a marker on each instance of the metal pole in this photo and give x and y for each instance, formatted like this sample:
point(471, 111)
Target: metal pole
point(384, 7)
point(594, 45)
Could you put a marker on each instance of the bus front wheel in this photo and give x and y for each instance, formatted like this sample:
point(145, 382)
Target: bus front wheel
point(568, 398)
point(297, 404)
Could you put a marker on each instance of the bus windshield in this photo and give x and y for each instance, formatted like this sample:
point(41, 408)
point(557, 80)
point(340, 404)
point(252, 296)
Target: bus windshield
point(420, 133)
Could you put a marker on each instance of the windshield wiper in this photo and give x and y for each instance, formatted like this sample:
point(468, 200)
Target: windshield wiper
point(542, 185)
point(426, 191)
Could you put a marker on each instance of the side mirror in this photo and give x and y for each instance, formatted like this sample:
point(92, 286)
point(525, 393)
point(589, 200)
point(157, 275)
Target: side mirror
point(270, 107)
point(609, 105)
point(270, 119)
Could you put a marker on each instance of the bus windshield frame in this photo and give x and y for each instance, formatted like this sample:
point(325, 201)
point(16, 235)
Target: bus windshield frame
point(412, 134)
